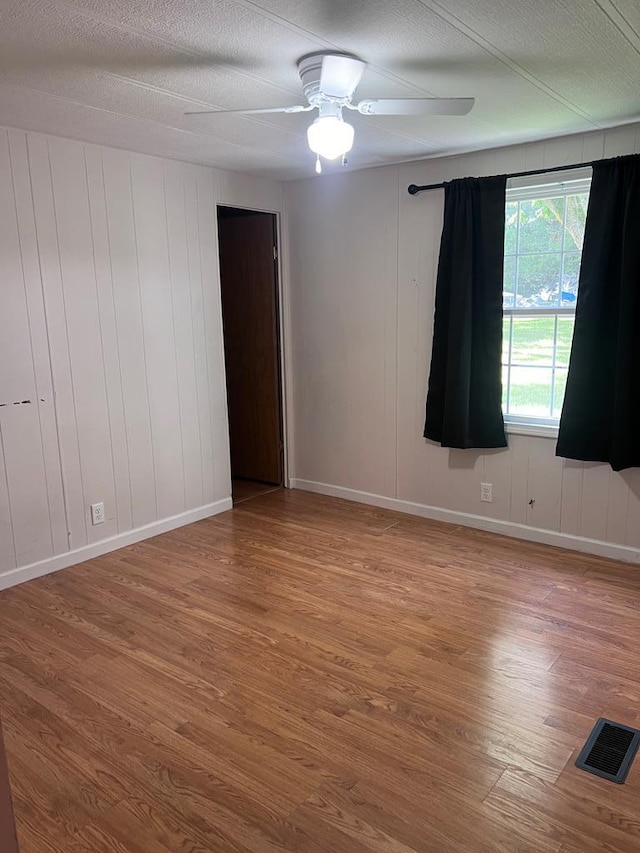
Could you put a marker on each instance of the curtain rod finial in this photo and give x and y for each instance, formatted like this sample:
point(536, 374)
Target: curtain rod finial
point(412, 189)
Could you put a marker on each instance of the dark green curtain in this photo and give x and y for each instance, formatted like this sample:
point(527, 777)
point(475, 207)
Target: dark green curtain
point(601, 414)
point(464, 398)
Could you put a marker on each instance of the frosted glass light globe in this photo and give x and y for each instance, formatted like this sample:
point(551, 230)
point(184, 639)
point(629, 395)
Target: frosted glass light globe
point(330, 137)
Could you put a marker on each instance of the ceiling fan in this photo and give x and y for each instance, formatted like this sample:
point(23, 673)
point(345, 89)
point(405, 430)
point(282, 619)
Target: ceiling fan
point(329, 81)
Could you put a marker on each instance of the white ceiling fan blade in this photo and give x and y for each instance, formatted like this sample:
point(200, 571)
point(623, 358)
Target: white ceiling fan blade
point(416, 107)
point(297, 108)
point(340, 75)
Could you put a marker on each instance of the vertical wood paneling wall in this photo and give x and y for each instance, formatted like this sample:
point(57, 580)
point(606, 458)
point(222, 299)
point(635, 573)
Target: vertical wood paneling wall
point(363, 265)
point(111, 359)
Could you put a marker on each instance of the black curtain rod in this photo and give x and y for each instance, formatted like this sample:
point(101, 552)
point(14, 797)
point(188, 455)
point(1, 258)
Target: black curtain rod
point(413, 189)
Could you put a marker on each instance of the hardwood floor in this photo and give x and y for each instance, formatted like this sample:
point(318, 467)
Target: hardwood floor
point(8, 841)
point(306, 674)
point(244, 490)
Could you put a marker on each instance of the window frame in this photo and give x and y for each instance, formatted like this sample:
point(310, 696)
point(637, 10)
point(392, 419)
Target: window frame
point(524, 188)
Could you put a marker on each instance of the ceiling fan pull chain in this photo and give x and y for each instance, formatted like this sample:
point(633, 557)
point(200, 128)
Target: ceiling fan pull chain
point(318, 165)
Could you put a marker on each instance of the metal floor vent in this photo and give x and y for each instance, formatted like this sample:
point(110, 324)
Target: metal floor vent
point(609, 750)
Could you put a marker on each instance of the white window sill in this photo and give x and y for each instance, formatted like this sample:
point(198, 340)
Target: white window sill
point(531, 429)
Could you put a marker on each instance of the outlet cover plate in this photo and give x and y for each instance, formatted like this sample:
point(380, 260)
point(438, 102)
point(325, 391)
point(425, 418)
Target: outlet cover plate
point(486, 492)
point(97, 513)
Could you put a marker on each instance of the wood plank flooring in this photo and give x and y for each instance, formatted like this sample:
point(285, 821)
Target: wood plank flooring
point(244, 490)
point(310, 675)
point(8, 840)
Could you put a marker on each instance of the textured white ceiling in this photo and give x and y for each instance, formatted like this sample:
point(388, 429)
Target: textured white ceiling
point(123, 73)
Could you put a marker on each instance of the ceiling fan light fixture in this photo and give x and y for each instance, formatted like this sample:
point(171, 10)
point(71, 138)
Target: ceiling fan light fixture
point(330, 136)
point(329, 81)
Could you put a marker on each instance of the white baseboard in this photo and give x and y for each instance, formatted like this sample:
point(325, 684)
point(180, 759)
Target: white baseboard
point(494, 525)
point(104, 546)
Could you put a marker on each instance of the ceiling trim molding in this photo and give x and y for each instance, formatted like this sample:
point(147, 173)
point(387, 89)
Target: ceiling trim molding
point(620, 22)
point(475, 36)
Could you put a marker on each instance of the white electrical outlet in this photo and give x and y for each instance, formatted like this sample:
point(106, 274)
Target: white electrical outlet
point(97, 513)
point(486, 492)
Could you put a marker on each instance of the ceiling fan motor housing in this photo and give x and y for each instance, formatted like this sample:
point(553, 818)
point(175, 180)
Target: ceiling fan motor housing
point(310, 70)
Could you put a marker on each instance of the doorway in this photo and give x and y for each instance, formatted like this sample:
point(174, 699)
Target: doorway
point(248, 247)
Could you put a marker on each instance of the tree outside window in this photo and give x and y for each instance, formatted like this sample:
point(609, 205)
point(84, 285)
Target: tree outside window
point(544, 231)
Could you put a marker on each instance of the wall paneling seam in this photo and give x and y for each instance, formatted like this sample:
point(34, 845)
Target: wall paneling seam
point(46, 313)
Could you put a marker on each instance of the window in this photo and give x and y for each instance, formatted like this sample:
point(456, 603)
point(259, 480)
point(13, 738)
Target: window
point(544, 229)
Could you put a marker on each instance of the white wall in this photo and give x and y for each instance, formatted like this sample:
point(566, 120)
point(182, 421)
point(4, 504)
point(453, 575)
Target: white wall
point(363, 266)
point(111, 329)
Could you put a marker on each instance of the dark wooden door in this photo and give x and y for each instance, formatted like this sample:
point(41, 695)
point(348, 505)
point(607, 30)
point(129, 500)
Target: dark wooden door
point(8, 843)
point(251, 343)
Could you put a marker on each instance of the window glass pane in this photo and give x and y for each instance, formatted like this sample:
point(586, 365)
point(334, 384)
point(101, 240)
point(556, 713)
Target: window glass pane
point(558, 395)
point(575, 217)
point(530, 392)
point(532, 341)
point(538, 280)
point(509, 286)
point(506, 325)
point(543, 248)
point(505, 387)
point(570, 273)
point(541, 225)
point(510, 227)
point(565, 336)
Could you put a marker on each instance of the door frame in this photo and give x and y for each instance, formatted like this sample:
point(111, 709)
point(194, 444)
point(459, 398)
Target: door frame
point(284, 318)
